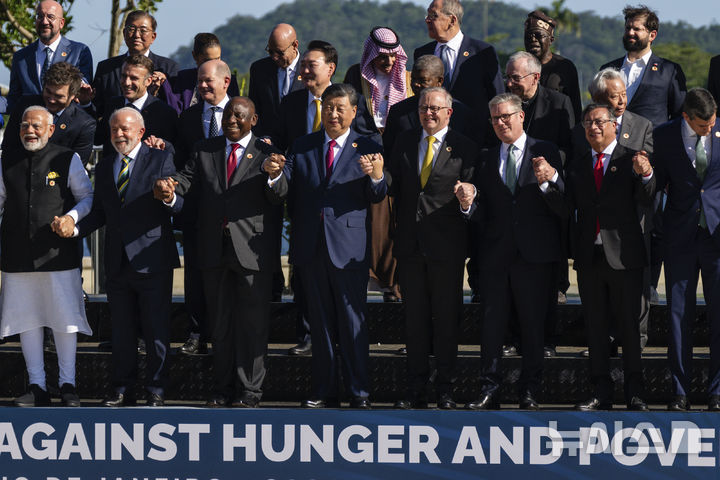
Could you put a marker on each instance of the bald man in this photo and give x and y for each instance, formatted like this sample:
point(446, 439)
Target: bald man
point(30, 64)
point(273, 77)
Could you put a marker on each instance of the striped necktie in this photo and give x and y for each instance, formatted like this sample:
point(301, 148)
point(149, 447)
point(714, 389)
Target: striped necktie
point(213, 130)
point(123, 178)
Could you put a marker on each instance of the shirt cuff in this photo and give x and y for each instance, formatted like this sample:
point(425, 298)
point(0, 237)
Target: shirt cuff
point(375, 182)
point(646, 179)
point(172, 202)
point(73, 214)
point(273, 181)
point(76, 232)
point(544, 186)
point(474, 195)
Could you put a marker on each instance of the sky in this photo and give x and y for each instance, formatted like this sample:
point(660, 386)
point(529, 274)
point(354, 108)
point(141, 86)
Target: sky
point(91, 18)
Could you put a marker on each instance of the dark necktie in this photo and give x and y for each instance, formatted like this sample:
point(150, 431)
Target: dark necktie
point(213, 131)
point(598, 174)
point(445, 57)
point(232, 161)
point(45, 66)
point(701, 166)
point(330, 158)
point(511, 169)
point(123, 178)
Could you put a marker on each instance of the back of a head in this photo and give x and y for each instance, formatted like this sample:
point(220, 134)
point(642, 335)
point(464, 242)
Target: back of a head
point(204, 41)
point(699, 103)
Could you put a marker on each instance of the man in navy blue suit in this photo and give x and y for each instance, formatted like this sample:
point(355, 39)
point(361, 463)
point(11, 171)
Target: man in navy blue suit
point(687, 155)
point(472, 72)
point(140, 256)
point(30, 64)
point(328, 187)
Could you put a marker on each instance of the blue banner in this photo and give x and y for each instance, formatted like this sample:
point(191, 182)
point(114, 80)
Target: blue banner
point(226, 444)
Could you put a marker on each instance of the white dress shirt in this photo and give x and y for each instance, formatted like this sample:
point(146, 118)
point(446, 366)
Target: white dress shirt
point(40, 54)
point(287, 74)
point(689, 138)
point(453, 50)
point(218, 116)
point(632, 73)
point(422, 146)
point(381, 110)
point(139, 103)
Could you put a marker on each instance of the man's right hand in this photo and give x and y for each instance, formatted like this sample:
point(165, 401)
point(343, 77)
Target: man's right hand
point(273, 165)
point(164, 189)
point(465, 193)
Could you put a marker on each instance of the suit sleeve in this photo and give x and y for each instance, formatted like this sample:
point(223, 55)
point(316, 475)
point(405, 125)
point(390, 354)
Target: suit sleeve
point(186, 176)
point(167, 170)
point(85, 64)
point(677, 92)
point(494, 81)
point(555, 194)
point(15, 88)
point(84, 143)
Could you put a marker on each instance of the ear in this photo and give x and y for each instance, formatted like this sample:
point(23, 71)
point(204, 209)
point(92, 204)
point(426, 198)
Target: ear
point(51, 129)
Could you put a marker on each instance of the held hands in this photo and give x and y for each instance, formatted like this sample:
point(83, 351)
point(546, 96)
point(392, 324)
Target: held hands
point(164, 189)
point(641, 163)
point(63, 226)
point(543, 171)
point(465, 193)
point(154, 142)
point(158, 78)
point(372, 164)
point(85, 95)
point(273, 165)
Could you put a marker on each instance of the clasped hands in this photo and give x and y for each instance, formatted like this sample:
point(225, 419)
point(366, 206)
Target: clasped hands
point(372, 164)
point(164, 189)
point(641, 163)
point(273, 165)
point(64, 226)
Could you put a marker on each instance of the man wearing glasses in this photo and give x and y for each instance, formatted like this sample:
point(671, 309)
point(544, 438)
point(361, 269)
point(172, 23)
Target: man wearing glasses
point(139, 34)
point(516, 206)
point(607, 184)
point(31, 63)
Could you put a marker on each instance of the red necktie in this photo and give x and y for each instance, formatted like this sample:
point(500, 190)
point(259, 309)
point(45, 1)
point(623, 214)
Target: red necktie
point(232, 161)
point(330, 158)
point(598, 174)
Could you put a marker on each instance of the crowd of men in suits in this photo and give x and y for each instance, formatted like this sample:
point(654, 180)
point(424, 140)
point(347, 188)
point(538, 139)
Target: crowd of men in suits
point(395, 176)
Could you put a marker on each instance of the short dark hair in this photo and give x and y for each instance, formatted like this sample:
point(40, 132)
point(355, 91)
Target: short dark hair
point(651, 18)
point(595, 106)
point(63, 73)
point(140, 60)
point(331, 55)
point(205, 40)
point(699, 103)
point(341, 90)
point(137, 14)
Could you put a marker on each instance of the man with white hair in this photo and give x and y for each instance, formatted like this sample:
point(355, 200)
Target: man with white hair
point(140, 255)
point(44, 191)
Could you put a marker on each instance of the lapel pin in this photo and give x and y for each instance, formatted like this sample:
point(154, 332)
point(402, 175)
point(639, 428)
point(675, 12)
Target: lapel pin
point(299, 77)
point(63, 54)
point(448, 148)
point(466, 53)
point(626, 136)
point(51, 183)
point(654, 67)
point(717, 134)
point(63, 126)
point(249, 155)
point(613, 169)
point(354, 145)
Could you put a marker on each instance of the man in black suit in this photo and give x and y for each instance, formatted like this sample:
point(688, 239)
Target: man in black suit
point(607, 185)
point(655, 86)
point(713, 83)
point(273, 77)
point(472, 73)
point(160, 119)
point(236, 232)
point(140, 256)
point(74, 128)
point(430, 242)
point(517, 203)
point(139, 34)
point(199, 122)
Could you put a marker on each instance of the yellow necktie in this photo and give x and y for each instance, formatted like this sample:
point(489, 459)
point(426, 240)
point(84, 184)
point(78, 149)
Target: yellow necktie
point(427, 162)
point(316, 121)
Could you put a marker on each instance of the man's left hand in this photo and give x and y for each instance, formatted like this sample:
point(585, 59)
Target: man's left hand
point(543, 171)
point(372, 164)
point(641, 163)
point(63, 226)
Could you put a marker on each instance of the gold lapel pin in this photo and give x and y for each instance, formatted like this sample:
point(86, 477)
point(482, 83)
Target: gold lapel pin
point(626, 135)
point(654, 67)
point(717, 134)
point(613, 168)
point(51, 183)
point(249, 155)
point(448, 148)
point(466, 53)
point(63, 126)
point(354, 145)
point(299, 77)
point(63, 54)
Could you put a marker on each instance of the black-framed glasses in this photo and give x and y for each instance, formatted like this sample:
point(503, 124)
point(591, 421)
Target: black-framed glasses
point(132, 30)
point(515, 78)
point(504, 118)
point(430, 108)
point(277, 51)
point(598, 122)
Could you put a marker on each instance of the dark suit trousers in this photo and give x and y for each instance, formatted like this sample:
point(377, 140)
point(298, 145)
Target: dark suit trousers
point(432, 293)
point(609, 294)
point(382, 263)
point(238, 302)
point(681, 276)
point(140, 304)
point(521, 288)
point(336, 301)
point(194, 290)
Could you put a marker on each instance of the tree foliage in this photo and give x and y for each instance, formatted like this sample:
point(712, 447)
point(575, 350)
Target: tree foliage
point(17, 21)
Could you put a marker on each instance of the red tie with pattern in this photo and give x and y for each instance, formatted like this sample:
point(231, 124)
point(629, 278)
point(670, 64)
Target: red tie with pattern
point(330, 158)
point(598, 173)
point(232, 161)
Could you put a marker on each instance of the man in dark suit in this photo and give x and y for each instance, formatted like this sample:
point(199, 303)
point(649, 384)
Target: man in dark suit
point(517, 203)
point(472, 73)
point(713, 83)
point(199, 122)
point(30, 64)
point(236, 232)
point(140, 256)
point(74, 128)
point(655, 86)
point(608, 183)
point(327, 173)
point(139, 34)
point(160, 119)
point(430, 243)
point(687, 155)
point(181, 91)
point(273, 77)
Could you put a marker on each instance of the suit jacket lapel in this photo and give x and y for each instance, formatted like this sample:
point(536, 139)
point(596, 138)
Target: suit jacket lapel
point(652, 61)
point(346, 154)
point(62, 52)
point(249, 156)
point(612, 167)
point(464, 47)
point(443, 155)
point(31, 65)
point(220, 162)
point(526, 175)
point(138, 172)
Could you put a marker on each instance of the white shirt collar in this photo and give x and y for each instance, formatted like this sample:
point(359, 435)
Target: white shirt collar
point(640, 62)
point(53, 46)
point(140, 102)
point(519, 143)
point(340, 141)
point(311, 97)
point(608, 150)
point(244, 141)
point(454, 42)
point(439, 135)
point(221, 104)
point(293, 66)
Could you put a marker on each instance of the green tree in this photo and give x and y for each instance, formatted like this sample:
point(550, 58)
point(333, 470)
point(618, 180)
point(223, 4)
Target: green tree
point(567, 21)
point(695, 61)
point(17, 25)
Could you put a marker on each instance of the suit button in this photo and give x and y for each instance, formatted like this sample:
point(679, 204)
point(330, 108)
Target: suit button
point(698, 210)
point(702, 190)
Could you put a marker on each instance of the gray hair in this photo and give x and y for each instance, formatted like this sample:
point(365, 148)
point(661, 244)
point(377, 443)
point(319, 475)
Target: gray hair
point(453, 7)
point(446, 96)
point(598, 85)
point(39, 108)
point(510, 98)
point(532, 64)
point(138, 116)
point(431, 64)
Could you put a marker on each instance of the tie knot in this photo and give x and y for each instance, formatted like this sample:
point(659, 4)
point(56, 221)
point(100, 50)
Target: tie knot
point(234, 147)
point(430, 140)
point(126, 160)
point(215, 109)
point(600, 157)
point(332, 143)
point(316, 101)
point(48, 50)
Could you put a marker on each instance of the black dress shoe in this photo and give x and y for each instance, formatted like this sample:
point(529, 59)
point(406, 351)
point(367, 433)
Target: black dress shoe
point(528, 402)
point(35, 397)
point(401, 351)
point(155, 400)
point(141, 348)
point(360, 403)
point(409, 404)
point(246, 401)
point(475, 297)
point(486, 402)
point(593, 405)
point(118, 399)
point(316, 403)
point(68, 396)
point(194, 346)
point(445, 402)
point(549, 351)
point(714, 403)
point(302, 348)
point(637, 404)
point(510, 351)
point(217, 401)
point(390, 297)
point(679, 404)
